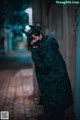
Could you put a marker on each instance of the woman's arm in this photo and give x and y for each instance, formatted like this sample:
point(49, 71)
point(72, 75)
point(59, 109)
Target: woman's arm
point(44, 58)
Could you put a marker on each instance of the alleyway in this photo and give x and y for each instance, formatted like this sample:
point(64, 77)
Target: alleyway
point(16, 94)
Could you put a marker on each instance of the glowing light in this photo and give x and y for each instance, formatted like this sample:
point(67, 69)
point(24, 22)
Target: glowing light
point(29, 11)
point(27, 27)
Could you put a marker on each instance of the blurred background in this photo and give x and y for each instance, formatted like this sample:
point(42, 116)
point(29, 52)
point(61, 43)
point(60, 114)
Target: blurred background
point(59, 20)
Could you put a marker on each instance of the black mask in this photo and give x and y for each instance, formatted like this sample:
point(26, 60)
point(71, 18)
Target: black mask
point(37, 43)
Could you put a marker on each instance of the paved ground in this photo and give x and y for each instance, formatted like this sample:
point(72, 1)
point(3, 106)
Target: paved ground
point(17, 95)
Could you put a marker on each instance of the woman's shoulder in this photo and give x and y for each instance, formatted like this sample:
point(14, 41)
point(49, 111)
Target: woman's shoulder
point(51, 40)
point(47, 39)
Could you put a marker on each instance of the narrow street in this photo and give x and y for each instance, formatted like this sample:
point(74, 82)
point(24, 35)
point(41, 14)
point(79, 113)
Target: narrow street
point(17, 94)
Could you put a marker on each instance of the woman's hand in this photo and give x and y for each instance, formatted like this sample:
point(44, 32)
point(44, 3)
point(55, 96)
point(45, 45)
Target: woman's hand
point(35, 46)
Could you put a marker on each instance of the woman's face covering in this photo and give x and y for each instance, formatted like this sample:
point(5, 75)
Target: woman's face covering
point(35, 40)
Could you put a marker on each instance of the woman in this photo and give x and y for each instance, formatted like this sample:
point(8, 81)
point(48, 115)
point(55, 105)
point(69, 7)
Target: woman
point(52, 76)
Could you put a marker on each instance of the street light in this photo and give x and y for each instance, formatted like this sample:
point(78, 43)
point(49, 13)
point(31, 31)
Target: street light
point(29, 11)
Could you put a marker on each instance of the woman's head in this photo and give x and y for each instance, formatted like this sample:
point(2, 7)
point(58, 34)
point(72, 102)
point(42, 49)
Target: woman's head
point(34, 37)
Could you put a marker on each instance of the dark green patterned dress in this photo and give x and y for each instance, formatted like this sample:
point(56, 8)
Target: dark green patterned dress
point(52, 76)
